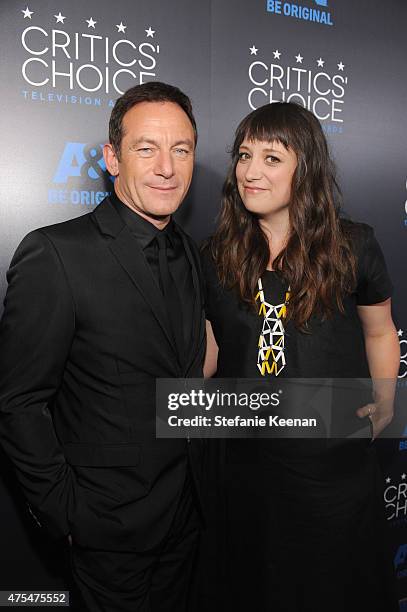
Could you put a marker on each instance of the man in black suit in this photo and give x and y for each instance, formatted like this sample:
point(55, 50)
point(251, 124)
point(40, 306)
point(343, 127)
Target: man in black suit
point(97, 308)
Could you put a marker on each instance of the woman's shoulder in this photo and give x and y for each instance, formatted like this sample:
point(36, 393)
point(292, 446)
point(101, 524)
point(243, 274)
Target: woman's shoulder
point(355, 230)
point(373, 282)
point(359, 235)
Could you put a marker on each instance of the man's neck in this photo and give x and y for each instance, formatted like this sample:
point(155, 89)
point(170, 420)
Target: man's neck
point(158, 222)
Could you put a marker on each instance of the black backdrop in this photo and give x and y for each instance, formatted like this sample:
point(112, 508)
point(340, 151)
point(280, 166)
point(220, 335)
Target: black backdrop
point(63, 64)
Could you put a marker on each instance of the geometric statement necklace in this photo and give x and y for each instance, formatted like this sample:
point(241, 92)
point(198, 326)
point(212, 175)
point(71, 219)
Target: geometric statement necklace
point(270, 356)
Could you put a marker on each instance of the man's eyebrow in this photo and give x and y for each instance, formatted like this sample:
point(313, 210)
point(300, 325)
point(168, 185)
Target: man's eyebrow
point(144, 139)
point(186, 141)
point(147, 140)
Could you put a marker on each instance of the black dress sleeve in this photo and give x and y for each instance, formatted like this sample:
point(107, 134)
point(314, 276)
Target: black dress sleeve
point(374, 284)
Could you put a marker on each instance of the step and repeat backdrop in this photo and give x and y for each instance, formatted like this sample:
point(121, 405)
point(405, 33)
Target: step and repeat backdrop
point(63, 64)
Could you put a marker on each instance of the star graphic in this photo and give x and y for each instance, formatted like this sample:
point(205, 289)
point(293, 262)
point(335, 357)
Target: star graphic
point(400, 333)
point(388, 480)
point(403, 477)
point(120, 27)
point(150, 32)
point(91, 23)
point(341, 66)
point(27, 13)
point(320, 62)
point(276, 54)
point(299, 58)
point(253, 50)
point(59, 18)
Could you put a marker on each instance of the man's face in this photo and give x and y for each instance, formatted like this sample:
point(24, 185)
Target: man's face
point(156, 159)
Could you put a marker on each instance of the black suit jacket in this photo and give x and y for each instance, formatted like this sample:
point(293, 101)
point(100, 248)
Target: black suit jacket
point(83, 337)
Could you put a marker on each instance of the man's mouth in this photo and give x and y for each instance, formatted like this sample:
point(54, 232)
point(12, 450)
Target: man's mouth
point(163, 187)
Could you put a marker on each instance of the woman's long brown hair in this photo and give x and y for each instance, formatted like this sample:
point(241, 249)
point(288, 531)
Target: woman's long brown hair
point(317, 262)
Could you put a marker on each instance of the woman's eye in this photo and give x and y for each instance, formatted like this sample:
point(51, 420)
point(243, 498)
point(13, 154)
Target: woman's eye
point(272, 159)
point(243, 156)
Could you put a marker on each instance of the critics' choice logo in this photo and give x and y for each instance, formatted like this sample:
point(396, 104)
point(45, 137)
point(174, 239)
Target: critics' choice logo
point(405, 209)
point(314, 12)
point(395, 499)
point(400, 561)
point(100, 58)
point(403, 354)
point(286, 77)
point(79, 164)
point(403, 374)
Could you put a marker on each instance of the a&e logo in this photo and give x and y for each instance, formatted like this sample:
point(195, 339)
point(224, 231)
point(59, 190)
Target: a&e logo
point(79, 163)
point(305, 13)
point(79, 159)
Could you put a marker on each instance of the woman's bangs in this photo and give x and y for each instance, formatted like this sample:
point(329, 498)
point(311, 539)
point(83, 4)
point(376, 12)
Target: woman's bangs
point(267, 131)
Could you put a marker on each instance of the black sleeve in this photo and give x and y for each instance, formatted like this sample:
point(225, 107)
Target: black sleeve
point(211, 282)
point(374, 284)
point(36, 332)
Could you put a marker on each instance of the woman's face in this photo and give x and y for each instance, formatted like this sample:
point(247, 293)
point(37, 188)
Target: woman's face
point(264, 173)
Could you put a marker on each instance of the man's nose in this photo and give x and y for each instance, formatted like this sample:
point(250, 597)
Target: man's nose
point(164, 165)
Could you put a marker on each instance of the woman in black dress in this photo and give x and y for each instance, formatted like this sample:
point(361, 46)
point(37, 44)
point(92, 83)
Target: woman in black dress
point(301, 520)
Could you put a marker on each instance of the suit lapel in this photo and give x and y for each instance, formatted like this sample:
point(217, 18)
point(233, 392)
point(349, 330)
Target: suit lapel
point(130, 256)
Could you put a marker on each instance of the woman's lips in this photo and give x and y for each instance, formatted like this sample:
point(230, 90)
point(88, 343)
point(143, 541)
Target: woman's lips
point(251, 189)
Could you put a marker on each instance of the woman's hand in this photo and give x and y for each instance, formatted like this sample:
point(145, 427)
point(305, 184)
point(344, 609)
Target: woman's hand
point(383, 356)
point(380, 415)
point(211, 357)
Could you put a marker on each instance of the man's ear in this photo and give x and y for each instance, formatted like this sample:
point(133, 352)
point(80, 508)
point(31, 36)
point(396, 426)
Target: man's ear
point(111, 161)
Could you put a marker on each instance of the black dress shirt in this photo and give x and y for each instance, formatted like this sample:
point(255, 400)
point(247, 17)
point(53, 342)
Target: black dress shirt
point(178, 263)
